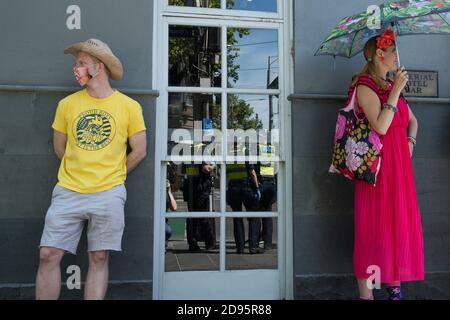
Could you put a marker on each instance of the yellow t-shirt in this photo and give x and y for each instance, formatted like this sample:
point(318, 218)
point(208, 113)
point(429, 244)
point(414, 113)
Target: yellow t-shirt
point(97, 132)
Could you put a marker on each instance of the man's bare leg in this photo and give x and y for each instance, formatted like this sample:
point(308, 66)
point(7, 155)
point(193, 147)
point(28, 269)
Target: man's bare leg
point(97, 277)
point(48, 279)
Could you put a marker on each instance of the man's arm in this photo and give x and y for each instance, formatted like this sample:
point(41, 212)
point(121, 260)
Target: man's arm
point(138, 144)
point(59, 143)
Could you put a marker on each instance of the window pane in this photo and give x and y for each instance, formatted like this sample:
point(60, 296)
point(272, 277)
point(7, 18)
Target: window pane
point(192, 244)
point(250, 111)
point(194, 121)
point(196, 3)
point(253, 5)
point(193, 187)
point(252, 58)
point(252, 187)
point(253, 121)
point(194, 56)
point(260, 252)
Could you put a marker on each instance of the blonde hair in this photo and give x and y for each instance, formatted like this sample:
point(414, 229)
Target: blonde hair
point(370, 52)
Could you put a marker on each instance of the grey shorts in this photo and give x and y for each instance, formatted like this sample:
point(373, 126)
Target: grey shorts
point(70, 210)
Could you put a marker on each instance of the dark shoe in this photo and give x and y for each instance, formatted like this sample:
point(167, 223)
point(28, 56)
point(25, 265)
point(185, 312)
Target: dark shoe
point(240, 250)
point(256, 250)
point(194, 248)
point(268, 246)
point(211, 247)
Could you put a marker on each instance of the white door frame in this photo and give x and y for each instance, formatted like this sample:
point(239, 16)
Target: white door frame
point(165, 286)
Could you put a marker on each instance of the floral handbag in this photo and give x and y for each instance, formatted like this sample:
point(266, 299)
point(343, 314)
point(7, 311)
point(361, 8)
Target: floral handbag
point(356, 147)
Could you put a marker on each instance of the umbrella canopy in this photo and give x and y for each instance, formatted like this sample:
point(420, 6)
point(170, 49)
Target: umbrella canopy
point(407, 17)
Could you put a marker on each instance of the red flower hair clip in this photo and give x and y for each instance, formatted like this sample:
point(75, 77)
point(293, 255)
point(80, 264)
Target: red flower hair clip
point(386, 39)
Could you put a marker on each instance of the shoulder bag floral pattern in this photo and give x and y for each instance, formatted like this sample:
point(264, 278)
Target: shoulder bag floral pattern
point(356, 147)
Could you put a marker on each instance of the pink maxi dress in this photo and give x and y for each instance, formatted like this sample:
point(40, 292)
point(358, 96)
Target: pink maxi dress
point(388, 228)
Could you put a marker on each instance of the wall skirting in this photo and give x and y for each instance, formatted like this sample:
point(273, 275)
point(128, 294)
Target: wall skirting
point(333, 97)
point(53, 89)
point(117, 290)
point(343, 287)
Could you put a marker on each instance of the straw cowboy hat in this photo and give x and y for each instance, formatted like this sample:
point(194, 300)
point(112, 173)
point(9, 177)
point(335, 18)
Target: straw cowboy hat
point(102, 52)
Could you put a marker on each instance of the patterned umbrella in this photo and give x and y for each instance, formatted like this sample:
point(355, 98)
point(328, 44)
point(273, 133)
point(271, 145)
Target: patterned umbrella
point(406, 17)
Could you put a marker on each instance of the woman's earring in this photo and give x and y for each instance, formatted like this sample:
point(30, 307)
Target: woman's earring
point(381, 58)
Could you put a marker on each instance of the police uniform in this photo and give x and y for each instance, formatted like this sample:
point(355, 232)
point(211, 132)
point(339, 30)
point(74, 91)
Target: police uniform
point(240, 192)
point(268, 188)
point(197, 190)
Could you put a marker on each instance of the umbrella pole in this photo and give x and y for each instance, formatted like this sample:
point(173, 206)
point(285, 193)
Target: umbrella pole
point(398, 54)
point(395, 24)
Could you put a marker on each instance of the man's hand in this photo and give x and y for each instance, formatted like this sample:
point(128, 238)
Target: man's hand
point(138, 144)
point(258, 194)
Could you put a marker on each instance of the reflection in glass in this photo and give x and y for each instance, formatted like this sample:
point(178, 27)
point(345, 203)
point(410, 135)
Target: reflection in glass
point(258, 116)
point(181, 256)
point(191, 244)
point(195, 3)
point(194, 56)
point(248, 5)
point(193, 119)
point(193, 187)
point(261, 251)
point(253, 5)
point(252, 188)
point(253, 61)
point(253, 112)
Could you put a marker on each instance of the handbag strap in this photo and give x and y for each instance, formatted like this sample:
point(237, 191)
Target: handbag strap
point(365, 80)
point(368, 81)
point(352, 105)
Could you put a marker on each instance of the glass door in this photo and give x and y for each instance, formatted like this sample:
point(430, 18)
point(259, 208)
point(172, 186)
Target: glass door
point(220, 215)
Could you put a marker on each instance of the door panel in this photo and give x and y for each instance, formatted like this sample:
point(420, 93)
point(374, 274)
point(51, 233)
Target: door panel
point(221, 111)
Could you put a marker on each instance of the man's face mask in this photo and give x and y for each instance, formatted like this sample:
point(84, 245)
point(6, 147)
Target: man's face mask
point(82, 75)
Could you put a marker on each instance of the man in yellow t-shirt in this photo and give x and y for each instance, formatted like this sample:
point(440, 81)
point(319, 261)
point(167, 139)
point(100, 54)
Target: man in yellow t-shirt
point(91, 130)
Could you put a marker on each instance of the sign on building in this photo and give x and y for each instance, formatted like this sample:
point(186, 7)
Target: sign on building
point(422, 84)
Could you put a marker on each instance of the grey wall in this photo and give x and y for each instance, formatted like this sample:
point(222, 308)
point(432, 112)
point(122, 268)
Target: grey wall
point(33, 35)
point(323, 203)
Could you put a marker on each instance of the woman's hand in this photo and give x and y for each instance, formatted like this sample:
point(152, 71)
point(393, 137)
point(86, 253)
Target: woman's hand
point(400, 79)
point(411, 149)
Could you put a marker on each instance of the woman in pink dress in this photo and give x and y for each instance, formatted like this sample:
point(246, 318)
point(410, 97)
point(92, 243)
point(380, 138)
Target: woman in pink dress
point(388, 229)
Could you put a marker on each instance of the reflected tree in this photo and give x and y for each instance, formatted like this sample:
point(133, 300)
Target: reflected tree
point(194, 53)
point(241, 115)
